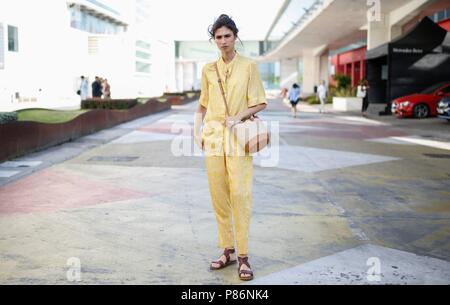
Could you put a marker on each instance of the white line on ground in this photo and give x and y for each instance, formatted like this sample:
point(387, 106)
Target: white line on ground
point(424, 142)
point(7, 174)
point(16, 164)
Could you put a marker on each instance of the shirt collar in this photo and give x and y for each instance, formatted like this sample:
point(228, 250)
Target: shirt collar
point(222, 63)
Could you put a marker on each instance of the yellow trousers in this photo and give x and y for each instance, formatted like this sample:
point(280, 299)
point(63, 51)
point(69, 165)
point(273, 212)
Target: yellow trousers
point(230, 183)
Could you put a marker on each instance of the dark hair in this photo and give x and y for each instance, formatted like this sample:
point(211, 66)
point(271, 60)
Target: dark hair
point(295, 86)
point(223, 20)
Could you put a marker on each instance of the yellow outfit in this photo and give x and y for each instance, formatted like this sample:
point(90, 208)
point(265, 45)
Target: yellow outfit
point(229, 175)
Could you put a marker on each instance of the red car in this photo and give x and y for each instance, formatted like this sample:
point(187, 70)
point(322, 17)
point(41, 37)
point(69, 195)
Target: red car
point(421, 105)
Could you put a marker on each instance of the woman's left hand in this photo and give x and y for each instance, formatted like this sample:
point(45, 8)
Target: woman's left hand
point(232, 120)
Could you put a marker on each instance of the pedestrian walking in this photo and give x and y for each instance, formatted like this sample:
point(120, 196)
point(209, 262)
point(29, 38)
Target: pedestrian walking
point(97, 88)
point(230, 173)
point(294, 98)
point(106, 89)
point(363, 92)
point(322, 93)
point(83, 91)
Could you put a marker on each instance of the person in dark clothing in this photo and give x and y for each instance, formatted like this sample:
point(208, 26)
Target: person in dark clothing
point(294, 98)
point(97, 88)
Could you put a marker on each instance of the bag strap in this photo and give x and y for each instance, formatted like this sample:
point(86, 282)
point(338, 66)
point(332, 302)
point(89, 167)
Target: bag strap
point(221, 89)
point(254, 116)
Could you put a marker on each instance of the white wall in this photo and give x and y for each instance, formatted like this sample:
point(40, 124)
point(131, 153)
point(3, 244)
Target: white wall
point(163, 67)
point(44, 66)
point(52, 56)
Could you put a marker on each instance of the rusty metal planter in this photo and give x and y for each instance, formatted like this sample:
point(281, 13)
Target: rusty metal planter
point(19, 138)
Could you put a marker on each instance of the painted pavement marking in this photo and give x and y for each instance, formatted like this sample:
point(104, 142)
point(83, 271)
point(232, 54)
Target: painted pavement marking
point(311, 160)
point(7, 174)
point(16, 164)
point(362, 120)
point(366, 264)
point(390, 141)
point(424, 142)
point(52, 190)
point(143, 136)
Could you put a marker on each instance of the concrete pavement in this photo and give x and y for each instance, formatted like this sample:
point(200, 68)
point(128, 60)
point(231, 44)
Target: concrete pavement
point(338, 199)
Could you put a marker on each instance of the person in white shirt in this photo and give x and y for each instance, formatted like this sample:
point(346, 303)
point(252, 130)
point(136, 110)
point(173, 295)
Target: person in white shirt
point(362, 92)
point(84, 87)
point(322, 93)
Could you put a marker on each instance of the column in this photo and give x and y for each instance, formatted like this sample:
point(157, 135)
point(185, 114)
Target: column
point(378, 32)
point(311, 72)
point(188, 76)
point(324, 68)
point(179, 76)
point(396, 31)
point(288, 72)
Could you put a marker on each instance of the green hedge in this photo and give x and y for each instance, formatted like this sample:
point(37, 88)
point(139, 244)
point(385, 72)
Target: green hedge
point(343, 81)
point(184, 93)
point(6, 117)
point(108, 104)
point(174, 94)
point(346, 92)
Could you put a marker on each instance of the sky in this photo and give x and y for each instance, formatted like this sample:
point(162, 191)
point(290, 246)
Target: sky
point(189, 19)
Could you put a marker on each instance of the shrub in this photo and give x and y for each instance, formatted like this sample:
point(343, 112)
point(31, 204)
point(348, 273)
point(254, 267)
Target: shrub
point(6, 117)
point(345, 92)
point(313, 100)
point(174, 94)
point(143, 100)
point(108, 104)
point(193, 91)
point(343, 81)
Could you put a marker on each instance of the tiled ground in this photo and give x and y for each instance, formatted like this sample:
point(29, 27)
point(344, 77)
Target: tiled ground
point(332, 193)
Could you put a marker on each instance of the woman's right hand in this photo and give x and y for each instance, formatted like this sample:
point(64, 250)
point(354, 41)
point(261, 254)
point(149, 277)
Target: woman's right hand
point(198, 120)
point(199, 141)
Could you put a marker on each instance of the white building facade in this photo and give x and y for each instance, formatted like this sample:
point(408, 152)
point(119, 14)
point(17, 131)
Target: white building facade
point(45, 46)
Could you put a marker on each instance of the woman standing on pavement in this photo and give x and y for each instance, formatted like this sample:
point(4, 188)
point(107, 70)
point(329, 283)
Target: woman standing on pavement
point(363, 92)
point(230, 170)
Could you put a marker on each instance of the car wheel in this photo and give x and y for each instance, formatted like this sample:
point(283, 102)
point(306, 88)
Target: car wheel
point(421, 111)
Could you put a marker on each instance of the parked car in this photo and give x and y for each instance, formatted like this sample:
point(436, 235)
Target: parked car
point(421, 105)
point(443, 108)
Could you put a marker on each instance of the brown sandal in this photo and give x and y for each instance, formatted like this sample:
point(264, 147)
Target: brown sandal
point(244, 261)
point(228, 262)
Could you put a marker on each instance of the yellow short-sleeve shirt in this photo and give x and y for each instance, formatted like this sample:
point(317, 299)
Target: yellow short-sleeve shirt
point(243, 89)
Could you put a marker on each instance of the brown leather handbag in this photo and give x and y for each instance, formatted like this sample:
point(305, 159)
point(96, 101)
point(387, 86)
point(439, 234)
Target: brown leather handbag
point(252, 133)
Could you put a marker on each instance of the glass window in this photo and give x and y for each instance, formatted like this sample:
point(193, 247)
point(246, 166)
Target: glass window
point(142, 55)
point(13, 39)
point(84, 21)
point(143, 44)
point(142, 67)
